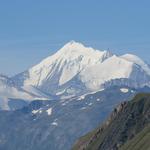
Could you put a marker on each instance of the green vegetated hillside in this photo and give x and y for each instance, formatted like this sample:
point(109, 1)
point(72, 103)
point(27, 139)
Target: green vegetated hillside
point(127, 128)
point(140, 142)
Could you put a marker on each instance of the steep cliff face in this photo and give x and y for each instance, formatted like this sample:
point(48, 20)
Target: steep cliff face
point(124, 124)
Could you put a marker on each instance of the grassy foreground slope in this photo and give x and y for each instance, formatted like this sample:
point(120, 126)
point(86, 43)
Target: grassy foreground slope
point(140, 142)
point(127, 128)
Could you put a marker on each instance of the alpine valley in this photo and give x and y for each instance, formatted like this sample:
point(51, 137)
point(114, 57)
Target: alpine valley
point(66, 95)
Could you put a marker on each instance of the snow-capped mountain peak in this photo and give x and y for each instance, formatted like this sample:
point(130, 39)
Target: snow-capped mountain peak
point(76, 69)
point(69, 61)
point(72, 45)
point(74, 49)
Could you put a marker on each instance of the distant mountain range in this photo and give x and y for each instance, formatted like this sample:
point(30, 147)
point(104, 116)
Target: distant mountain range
point(73, 71)
point(127, 128)
point(57, 124)
point(65, 96)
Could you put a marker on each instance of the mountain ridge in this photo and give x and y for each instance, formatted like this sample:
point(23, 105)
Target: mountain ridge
point(124, 124)
point(74, 59)
point(75, 70)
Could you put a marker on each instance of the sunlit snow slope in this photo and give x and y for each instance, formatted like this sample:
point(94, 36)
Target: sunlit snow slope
point(76, 69)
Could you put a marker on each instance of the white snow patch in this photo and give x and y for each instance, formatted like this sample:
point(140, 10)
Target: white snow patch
point(37, 111)
point(124, 90)
point(100, 90)
point(54, 123)
point(83, 108)
point(40, 111)
point(61, 92)
point(132, 91)
point(63, 104)
point(81, 97)
point(49, 111)
point(90, 104)
point(34, 111)
point(66, 97)
point(98, 99)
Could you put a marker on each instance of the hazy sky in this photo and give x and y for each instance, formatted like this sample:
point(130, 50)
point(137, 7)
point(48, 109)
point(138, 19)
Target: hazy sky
point(33, 29)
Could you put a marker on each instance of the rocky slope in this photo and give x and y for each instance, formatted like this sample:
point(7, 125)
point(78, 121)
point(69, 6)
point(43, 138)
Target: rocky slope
point(57, 124)
point(126, 128)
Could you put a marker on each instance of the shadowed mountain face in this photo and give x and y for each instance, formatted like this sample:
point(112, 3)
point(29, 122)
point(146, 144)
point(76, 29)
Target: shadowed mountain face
point(57, 124)
point(127, 128)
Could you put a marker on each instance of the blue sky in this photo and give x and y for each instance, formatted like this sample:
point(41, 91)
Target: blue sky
point(31, 30)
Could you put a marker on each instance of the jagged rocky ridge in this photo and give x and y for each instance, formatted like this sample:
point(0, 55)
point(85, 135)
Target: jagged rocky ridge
point(129, 121)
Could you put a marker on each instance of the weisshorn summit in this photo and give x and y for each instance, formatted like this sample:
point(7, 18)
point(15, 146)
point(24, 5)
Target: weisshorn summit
point(72, 71)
